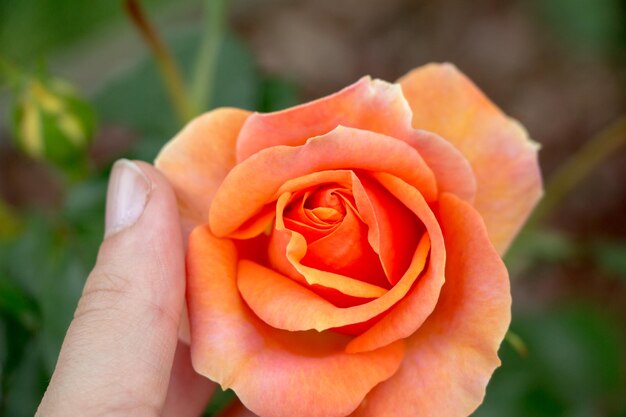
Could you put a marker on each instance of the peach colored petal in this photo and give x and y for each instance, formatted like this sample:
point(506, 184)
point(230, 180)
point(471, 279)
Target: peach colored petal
point(373, 105)
point(413, 309)
point(309, 209)
point(196, 161)
point(453, 172)
point(264, 217)
point(341, 249)
point(502, 156)
point(342, 291)
point(394, 230)
point(346, 251)
point(451, 358)
point(324, 215)
point(277, 249)
point(252, 183)
point(311, 232)
point(293, 246)
point(342, 177)
point(284, 304)
point(273, 372)
point(256, 225)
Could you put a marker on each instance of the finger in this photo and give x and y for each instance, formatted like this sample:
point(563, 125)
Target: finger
point(118, 351)
point(188, 392)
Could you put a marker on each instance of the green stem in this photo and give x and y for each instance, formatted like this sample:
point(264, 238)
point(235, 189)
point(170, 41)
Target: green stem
point(579, 166)
point(166, 63)
point(206, 63)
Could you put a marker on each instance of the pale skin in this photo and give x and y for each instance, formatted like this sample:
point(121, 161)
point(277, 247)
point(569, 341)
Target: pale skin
point(121, 355)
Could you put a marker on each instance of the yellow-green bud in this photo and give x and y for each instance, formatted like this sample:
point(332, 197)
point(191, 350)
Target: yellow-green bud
point(52, 122)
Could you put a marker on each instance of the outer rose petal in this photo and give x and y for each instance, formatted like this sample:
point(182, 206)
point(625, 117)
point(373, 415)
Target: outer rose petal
point(196, 161)
point(504, 160)
point(274, 373)
point(372, 105)
point(450, 359)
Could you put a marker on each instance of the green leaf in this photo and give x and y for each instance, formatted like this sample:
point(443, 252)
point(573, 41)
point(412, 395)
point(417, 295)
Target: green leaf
point(83, 218)
point(535, 246)
point(27, 258)
point(584, 24)
point(14, 302)
point(25, 386)
point(611, 257)
point(277, 94)
point(575, 367)
point(45, 265)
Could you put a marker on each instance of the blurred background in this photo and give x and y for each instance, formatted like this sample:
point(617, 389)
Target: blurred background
point(558, 66)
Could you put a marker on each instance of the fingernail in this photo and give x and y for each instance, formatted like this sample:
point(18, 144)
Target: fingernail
point(127, 196)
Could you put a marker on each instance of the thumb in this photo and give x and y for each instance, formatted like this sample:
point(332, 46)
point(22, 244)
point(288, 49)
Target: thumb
point(118, 351)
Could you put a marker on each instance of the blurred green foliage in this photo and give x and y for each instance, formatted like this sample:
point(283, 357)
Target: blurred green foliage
point(575, 364)
point(52, 122)
point(57, 23)
point(586, 25)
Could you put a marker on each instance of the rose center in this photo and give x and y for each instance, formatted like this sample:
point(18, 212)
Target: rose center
point(321, 208)
point(336, 237)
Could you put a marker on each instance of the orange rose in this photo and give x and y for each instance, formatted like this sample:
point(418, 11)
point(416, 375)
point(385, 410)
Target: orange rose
point(344, 253)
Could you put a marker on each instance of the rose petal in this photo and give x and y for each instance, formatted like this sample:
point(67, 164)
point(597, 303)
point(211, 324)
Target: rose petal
point(410, 312)
point(278, 260)
point(394, 230)
point(252, 183)
point(502, 156)
point(372, 105)
point(342, 249)
point(293, 246)
point(274, 373)
point(342, 177)
point(346, 251)
point(284, 304)
point(197, 159)
point(451, 358)
point(263, 219)
point(453, 172)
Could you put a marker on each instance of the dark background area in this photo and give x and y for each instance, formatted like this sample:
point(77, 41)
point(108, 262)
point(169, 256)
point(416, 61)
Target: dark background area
point(558, 66)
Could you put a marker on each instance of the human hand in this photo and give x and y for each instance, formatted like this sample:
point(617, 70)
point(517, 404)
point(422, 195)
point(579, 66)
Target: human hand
point(121, 354)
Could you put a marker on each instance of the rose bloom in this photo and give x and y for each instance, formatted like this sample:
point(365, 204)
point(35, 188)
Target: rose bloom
point(344, 255)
